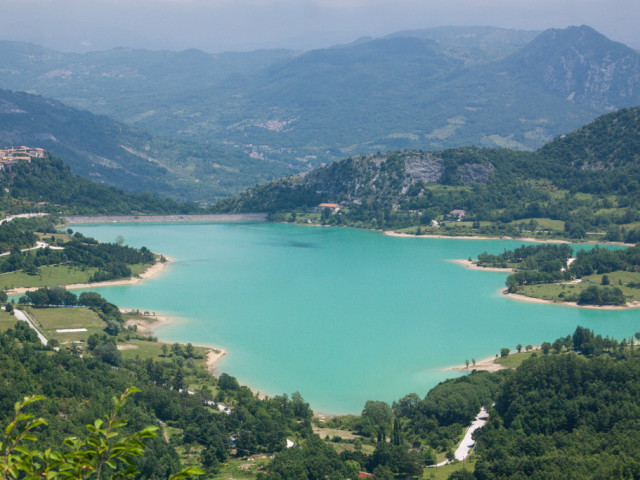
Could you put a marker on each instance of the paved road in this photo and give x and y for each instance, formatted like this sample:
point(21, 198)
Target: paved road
point(22, 215)
point(20, 315)
point(467, 443)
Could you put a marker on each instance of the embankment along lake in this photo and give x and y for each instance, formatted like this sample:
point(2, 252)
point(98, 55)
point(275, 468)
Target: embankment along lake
point(341, 315)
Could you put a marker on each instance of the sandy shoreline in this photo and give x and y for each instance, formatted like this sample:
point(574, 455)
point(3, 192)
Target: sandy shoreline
point(519, 239)
point(488, 364)
point(524, 298)
point(472, 266)
point(153, 271)
point(149, 324)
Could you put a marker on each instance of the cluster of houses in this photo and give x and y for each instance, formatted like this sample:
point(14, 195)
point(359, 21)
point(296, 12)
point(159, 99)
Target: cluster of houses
point(455, 215)
point(11, 155)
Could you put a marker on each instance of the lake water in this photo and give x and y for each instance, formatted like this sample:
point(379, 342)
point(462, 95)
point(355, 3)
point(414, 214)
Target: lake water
point(340, 315)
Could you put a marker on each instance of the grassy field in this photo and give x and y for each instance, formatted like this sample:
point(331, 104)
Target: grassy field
point(242, 468)
point(442, 473)
point(543, 224)
point(47, 276)
point(334, 432)
point(513, 360)
point(51, 275)
point(565, 292)
point(6, 321)
point(51, 319)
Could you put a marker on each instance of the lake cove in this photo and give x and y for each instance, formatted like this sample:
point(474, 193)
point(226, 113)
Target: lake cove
point(340, 315)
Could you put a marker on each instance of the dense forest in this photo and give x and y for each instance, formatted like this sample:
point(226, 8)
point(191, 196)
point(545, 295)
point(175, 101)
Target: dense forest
point(502, 192)
point(566, 416)
point(79, 390)
point(561, 414)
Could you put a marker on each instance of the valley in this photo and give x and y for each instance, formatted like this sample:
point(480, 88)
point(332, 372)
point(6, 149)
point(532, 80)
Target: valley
point(158, 210)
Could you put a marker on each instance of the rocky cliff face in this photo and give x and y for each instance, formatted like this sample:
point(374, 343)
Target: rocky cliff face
point(584, 67)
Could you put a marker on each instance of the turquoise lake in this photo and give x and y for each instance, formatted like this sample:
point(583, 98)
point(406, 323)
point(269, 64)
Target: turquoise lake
point(341, 315)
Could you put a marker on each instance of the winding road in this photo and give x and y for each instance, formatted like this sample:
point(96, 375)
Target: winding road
point(467, 443)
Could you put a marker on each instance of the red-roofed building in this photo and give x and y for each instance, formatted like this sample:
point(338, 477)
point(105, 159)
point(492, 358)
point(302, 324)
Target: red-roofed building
point(334, 207)
point(366, 475)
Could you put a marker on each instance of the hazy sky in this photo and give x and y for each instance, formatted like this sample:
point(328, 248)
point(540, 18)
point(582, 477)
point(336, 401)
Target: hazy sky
point(218, 25)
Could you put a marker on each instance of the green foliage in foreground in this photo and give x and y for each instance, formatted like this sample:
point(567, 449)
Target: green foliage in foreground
point(79, 389)
point(101, 453)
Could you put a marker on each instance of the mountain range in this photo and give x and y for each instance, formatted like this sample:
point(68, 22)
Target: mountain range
point(427, 89)
point(195, 126)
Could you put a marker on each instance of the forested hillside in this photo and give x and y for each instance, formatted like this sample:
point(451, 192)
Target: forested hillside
point(79, 389)
point(566, 416)
point(114, 154)
point(47, 184)
point(583, 182)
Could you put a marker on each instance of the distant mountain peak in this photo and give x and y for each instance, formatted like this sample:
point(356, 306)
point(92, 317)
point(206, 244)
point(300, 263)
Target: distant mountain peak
point(583, 66)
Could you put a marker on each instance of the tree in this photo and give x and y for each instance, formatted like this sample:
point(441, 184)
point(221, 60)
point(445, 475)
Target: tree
point(504, 352)
point(466, 362)
point(605, 280)
point(519, 347)
point(101, 452)
point(375, 419)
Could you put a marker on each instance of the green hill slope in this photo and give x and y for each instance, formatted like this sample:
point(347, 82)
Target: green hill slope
point(111, 153)
point(585, 181)
point(50, 183)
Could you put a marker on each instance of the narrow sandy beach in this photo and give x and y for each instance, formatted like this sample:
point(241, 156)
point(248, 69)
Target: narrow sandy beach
point(524, 298)
point(453, 237)
point(149, 324)
point(519, 239)
point(488, 364)
point(213, 357)
point(472, 266)
point(153, 271)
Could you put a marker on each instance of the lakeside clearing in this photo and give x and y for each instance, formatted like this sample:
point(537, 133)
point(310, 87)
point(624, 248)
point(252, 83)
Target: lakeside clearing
point(148, 323)
point(496, 363)
point(150, 272)
point(525, 298)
